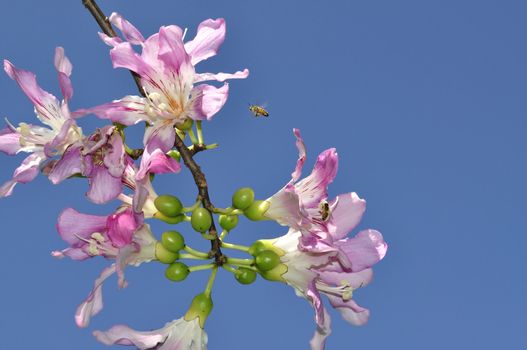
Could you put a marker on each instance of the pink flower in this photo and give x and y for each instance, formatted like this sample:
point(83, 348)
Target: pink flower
point(121, 236)
point(166, 68)
point(313, 274)
point(316, 256)
point(176, 335)
point(43, 142)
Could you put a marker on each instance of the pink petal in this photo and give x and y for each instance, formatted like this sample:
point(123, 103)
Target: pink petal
point(130, 33)
point(70, 164)
point(171, 49)
point(9, 141)
point(318, 342)
point(209, 101)
point(46, 104)
point(301, 156)
point(50, 149)
point(103, 186)
point(157, 163)
point(124, 56)
point(129, 110)
point(350, 310)
point(334, 275)
point(198, 78)
point(114, 159)
point(93, 304)
point(284, 208)
point(124, 335)
point(121, 227)
point(210, 36)
point(160, 135)
point(362, 251)
point(346, 214)
point(313, 189)
point(74, 226)
point(25, 173)
point(64, 68)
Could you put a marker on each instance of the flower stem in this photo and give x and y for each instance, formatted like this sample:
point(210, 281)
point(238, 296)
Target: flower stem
point(193, 207)
point(210, 283)
point(200, 132)
point(192, 257)
point(202, 267)
point(192, 137)
point(229, 268)
point(243, 262)
point(224, 234)
point(234, 246)
point(195, 252)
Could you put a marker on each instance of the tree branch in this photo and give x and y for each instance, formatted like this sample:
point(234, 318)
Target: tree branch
point(186, 154)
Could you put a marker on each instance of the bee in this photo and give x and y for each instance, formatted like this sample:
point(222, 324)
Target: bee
point(258, 111)
point(324, 210)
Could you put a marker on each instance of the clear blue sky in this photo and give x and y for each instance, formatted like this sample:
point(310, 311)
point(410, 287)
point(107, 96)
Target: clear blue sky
point(425, 102)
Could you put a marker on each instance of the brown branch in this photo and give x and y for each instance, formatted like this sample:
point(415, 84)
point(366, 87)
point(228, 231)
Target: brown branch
point(186, 154)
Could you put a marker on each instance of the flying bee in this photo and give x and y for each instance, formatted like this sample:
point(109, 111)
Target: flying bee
point(258, 111)
point(324, 210)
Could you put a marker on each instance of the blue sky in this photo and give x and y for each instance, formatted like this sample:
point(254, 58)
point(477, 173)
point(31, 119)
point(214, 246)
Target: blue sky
point(425, 103)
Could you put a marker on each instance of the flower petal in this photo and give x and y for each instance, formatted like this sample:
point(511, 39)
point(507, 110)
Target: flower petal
point(210, 36)
point(301, 155)
point(160, 136)
point(93, 303)
point(157, 163)
point(114, 159)
point(121, 227)
point(323, 331)
point(209, 100)
point(129, 110)
point(73, 226)
point(130, 33)
point(124, 56)
point(124, 335)
point(171, 48)
point(9, 142)
point(362, 251)
point(64, 68)
point(350, 310)
point(346, 214)
point(313, 189)
point(25, 173)
point(70, 164)
point(198, 78)
point(103, 186)
point(46, 104)
point(284, 208)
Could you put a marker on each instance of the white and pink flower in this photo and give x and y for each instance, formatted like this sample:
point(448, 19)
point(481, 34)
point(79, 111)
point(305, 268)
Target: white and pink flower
point(166, 67)
point(43, 142)
point(176, 335)
point(122, 237)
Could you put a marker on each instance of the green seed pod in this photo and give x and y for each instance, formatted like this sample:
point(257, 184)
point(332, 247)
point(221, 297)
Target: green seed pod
point(228, 222)
point(168, 205)
point(257, 247)
point(200, 307)
point(267, 260)
point(173, 241)
point(245, 276)
point(177, 272)
point(256, 210)
point(164, 255)
point(243, 198)
point(201, 220)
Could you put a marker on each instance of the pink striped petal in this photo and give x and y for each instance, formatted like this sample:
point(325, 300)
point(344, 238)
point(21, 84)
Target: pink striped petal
point(210, 36)
point(301, 155)
point(160, 136)
point(130, 33)
point(209, 101)
point(171, 49)
point(9, 142)
point(362, 251)
point(74, 226)
point(70, 164)
point(64, 68)
point(25, 173)
point(103, 186)
point(93, 304)
point(129, 110)
point(346, 214)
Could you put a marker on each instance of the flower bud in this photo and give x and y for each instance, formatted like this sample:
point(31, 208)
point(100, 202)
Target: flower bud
point(245, 275)
point(200, 307)
point(256, 210)
point(173, 241)
point(243, 198)
point(168, 205)
point(169, 220)
point(177, 272)
point(228, 222)
point(275, 274)
point(164, 255)
point(201, 220)
point(267, 260)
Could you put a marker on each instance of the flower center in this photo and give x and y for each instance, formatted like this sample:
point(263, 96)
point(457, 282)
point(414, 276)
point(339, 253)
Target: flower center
point(344, 290)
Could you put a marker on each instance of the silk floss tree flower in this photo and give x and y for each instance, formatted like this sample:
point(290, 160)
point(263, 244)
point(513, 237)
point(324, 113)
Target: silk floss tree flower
point(166, 67)
point(43, 142)
point(315, 257)
point(121, 236)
